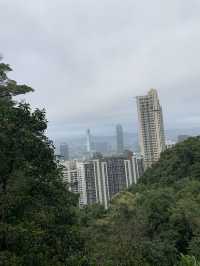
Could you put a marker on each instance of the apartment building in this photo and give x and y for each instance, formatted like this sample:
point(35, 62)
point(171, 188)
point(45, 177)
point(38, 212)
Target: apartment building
point(151, 127)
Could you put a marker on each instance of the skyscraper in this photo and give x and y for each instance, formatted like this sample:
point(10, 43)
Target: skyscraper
point(64, 151)
point(88, 141)
point(120, 139)
point(151, 128)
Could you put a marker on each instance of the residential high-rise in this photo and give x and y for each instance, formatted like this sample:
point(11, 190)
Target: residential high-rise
point(120, 139)
point(116, 175)
point(99, 180)
point(151, 128)
point(70, 175)
point(64, 151)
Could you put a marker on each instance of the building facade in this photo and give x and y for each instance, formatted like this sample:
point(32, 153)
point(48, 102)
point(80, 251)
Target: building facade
point(98, 180)
point(116, 175)
point(151, 127)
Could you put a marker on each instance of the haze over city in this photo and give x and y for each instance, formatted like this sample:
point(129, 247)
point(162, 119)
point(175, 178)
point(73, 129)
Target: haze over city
point(87, 60)
point(99, 133)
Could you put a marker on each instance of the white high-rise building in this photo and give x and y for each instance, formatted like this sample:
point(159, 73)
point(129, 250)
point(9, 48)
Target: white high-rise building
point(151, 128)
point(75, 178)
point(99, 180)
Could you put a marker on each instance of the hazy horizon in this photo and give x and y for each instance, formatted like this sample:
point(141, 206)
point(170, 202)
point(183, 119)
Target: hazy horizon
point(87, 60)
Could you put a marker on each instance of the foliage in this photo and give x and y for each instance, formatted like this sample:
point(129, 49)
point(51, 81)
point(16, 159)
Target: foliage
point(188, 261)
point(151, 224)
point(155, 221)
point(176, 163)
point(38, 215)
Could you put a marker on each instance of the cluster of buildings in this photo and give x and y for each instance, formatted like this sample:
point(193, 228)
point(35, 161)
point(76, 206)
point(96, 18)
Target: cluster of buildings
point(93, 147)
point(97, 178)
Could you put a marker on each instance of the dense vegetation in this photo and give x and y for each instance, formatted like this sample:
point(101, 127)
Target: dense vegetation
point(38, 219)
point(155, 223)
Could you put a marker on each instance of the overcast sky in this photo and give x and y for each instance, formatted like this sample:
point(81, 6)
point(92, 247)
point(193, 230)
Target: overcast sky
point(88, 59)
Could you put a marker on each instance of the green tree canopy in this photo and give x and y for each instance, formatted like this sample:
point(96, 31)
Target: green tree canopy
point(156, 220)
point(38, 215)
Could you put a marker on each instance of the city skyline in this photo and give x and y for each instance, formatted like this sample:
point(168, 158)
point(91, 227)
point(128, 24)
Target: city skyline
point(99, 133)
point(94, 59)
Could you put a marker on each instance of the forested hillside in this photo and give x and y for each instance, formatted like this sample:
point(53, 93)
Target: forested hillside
point(38, 216)
point(154, 222)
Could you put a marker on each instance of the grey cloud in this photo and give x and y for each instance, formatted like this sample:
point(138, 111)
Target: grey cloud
point(88, 59)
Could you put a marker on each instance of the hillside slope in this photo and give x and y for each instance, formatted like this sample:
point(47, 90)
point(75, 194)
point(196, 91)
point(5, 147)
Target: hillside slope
point(155, 221)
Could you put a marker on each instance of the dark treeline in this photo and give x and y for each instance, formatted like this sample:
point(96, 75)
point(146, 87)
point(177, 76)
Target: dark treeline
point(155, 223)
point(38, 216)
